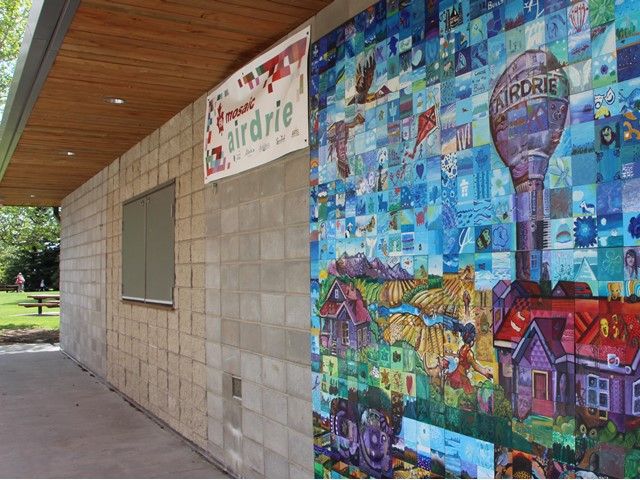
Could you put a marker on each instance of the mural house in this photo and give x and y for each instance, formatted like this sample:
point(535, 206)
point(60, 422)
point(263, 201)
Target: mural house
point(346, 319)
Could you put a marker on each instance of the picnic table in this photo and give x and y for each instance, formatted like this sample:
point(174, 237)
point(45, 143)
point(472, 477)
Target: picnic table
point(48, 300)
point(9, 288)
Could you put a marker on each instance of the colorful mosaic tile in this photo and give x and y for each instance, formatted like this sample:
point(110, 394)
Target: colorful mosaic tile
point(475, 240)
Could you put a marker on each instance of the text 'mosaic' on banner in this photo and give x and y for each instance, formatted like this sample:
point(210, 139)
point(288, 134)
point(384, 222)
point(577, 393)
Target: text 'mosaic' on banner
point(260, 112)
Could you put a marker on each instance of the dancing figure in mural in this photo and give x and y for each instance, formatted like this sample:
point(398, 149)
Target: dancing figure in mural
point(428, 341)
point(459, 378)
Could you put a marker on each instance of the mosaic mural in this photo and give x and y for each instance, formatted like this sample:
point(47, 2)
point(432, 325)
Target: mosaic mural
point(475, 240)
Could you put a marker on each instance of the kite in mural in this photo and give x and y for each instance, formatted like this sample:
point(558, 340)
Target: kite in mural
point(427, 123)
point(475, 241)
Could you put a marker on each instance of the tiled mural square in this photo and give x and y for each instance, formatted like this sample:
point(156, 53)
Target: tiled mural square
point(475, 240)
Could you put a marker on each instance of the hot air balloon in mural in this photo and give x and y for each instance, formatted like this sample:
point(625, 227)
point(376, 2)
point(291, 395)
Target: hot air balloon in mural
point(528, 110)
point(578, 16)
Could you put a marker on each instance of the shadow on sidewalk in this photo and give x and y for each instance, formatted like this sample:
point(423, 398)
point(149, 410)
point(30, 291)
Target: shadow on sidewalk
point(29, 335)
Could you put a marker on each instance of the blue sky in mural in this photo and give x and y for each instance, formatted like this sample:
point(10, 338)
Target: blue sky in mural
point(475, 240)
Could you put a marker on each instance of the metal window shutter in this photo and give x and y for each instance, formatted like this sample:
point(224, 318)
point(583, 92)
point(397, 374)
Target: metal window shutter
point(160, 246)
point(133, 248)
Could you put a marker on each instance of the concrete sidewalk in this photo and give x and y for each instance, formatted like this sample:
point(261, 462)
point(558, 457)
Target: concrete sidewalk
point(57, 420)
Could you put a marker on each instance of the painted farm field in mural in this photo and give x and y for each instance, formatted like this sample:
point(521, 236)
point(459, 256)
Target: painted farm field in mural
point(475, 240)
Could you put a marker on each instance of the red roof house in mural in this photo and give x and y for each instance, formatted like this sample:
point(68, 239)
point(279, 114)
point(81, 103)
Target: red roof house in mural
point(607, 377)
point(572, 290)
point(533, 336)
point(543, 368)
point(345, 319)
point(549, 346)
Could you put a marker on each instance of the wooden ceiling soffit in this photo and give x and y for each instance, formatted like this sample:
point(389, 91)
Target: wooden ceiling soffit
point(158, 55)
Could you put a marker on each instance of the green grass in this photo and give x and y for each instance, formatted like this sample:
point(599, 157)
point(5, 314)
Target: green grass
point(14, 316)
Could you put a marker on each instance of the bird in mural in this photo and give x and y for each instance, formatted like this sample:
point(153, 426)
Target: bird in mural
point(365, 73)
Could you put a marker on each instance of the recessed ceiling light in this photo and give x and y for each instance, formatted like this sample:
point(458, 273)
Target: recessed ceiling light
point(68, 153)
point(115, 100)
point(32, 196)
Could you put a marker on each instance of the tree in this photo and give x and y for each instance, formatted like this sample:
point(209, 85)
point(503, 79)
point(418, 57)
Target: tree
point(29, 243)
point(13, 19)
point(28, 227)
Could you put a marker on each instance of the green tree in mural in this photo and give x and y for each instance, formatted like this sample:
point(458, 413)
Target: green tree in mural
point(13, 19)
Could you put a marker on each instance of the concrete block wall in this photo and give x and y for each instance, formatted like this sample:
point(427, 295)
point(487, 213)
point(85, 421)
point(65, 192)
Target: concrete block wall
point(83, 275)
point(156, 355)
point(241, 298)
point(257, 300)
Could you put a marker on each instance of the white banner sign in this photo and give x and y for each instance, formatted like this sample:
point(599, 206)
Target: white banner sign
point(260, 113)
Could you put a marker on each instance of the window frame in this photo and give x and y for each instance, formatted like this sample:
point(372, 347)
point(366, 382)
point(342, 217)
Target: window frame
point(598, 391)
point(147, 300)
point(635, 397)
point(345, 329)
